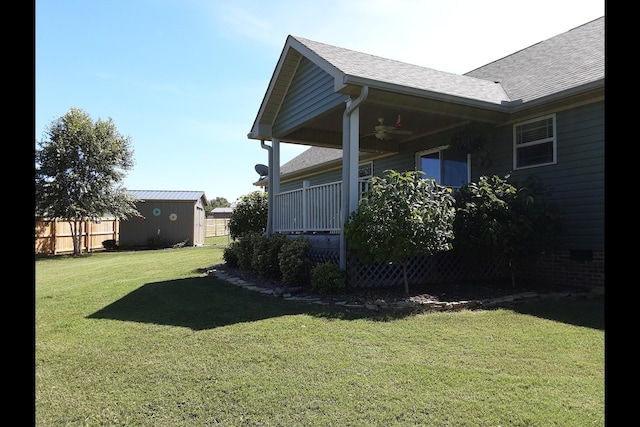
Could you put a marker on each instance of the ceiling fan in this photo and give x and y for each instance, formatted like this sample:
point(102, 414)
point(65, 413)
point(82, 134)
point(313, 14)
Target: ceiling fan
point(384, 132)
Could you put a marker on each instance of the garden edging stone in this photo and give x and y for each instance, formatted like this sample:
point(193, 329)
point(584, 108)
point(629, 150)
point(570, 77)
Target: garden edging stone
point(410, 303)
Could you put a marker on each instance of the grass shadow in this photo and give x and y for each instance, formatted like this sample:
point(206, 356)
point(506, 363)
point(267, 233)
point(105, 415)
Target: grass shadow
point(204, 303)
point(587, 312)
point(201, 303)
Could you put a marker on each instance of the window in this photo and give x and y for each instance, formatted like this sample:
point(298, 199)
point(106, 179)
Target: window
point(534, 142)
point(445, 166)
point(365, 170)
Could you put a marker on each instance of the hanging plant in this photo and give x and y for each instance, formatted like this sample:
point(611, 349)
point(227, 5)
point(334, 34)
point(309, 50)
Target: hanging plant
point(468, 139)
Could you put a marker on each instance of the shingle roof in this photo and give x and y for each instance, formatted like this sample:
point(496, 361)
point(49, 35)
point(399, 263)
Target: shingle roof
point(568, 60)
point(311, 157)
point(388, 71)
point(167, 195)
point(562, 62)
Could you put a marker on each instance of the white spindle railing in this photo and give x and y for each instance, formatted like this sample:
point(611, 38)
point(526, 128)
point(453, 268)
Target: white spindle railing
point(311, 209)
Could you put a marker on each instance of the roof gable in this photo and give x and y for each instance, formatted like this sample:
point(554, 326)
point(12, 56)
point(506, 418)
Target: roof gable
point(375, 71)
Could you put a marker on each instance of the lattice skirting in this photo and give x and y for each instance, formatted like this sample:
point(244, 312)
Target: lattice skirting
point(438, 268)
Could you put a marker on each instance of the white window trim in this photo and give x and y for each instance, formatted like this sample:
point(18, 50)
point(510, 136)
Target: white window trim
point(554, 140)
point(363, 166)
point(419, 155)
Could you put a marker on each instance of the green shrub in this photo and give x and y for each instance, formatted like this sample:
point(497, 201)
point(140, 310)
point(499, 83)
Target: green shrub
point(328, 278)
point(496, 219)
point(402, 215)
point(249, 215)
point(265, 255)
point(230, 254)
point(110, 245)
point(245, 249)
point(295, 263)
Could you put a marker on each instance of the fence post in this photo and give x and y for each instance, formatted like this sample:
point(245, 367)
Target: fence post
point(55, 235)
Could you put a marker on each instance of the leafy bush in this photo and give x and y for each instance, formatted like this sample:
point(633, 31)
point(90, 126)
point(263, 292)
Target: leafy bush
point(230, 254)
point(245, 249)
point(294, 261)
point(265, 255)
point(110, 245)
point(402, 215)
point(328, 278)
point(249, 215)
point(499, 220)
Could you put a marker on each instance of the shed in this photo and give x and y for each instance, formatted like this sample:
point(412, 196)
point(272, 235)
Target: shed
point(169, 217)
point(221, 213)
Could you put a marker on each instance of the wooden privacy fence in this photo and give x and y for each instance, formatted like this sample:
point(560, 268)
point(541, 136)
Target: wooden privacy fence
point(54, 236)
point(217, 227)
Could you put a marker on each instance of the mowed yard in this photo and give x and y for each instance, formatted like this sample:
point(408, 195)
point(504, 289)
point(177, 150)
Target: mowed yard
point(146, 338)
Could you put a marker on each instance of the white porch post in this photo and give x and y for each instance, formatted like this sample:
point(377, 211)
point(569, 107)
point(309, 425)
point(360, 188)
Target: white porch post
point(350, 151)
point(273, 181)
point(275, 173)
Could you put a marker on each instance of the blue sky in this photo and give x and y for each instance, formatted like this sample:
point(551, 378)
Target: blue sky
point(185, 78)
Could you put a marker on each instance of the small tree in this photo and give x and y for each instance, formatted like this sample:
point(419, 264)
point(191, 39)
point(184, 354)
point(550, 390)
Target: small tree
point(79, 168)
point(510, 222)
point(402, 215)
point(249, 214)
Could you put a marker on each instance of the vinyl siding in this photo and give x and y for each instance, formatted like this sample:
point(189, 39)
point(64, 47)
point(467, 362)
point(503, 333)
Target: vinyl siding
point(311, 93)
point(576, 181)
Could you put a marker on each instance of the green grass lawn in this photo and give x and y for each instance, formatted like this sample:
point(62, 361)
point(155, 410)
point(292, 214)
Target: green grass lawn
point(145, 338)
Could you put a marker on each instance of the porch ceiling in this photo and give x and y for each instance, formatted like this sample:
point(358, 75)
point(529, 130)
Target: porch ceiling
point(420, 115)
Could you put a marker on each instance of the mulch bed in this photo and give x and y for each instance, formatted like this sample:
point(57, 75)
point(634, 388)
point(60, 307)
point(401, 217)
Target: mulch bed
point(449, 292)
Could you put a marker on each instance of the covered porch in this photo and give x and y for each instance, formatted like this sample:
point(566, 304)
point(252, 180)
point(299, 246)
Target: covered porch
point(312, 101)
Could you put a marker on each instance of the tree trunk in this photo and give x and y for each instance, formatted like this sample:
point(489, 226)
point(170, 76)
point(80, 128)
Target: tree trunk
point(76, 235)
point(404, 275)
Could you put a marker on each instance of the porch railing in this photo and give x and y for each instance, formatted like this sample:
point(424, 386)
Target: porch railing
point(315, 208)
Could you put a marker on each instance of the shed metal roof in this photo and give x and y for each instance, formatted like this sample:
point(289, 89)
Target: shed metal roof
point(168, 195)
point(222, 210)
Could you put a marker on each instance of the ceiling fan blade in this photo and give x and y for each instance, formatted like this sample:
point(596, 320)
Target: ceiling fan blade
point(367, 135)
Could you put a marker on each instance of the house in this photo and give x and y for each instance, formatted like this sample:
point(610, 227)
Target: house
point(167, 216)
point(538, 111)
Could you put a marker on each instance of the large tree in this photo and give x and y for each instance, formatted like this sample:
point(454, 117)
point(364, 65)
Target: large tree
point(79, 168)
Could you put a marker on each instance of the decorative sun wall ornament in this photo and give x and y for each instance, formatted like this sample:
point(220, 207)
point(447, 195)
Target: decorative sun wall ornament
point(173, 217)
point(156, 212)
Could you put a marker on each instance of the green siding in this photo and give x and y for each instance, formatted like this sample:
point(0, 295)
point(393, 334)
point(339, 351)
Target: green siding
point(311, 93)
point(576, 181)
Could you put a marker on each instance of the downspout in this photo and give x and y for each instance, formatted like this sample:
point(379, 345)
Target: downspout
point(269, 187)
point(346, 160)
